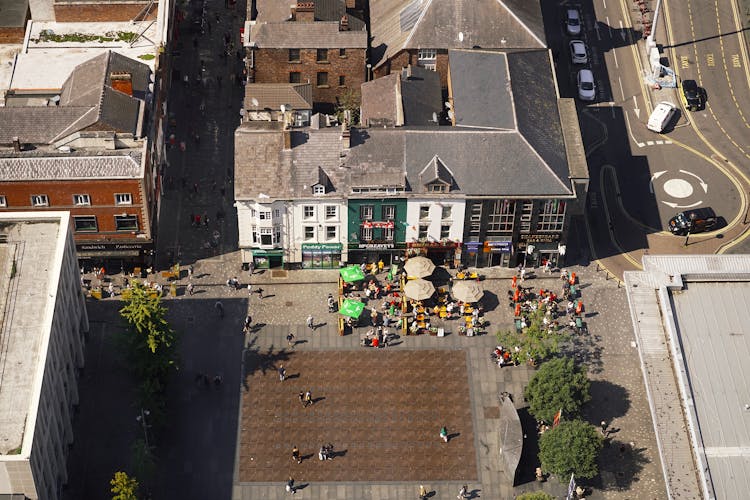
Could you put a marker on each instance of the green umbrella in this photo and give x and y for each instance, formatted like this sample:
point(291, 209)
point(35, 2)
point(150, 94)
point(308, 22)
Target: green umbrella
point(352, 273)
point(352, 308)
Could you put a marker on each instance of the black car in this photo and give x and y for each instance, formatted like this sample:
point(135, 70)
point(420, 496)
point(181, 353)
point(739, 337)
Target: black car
point(697, 220)
point(691, 95)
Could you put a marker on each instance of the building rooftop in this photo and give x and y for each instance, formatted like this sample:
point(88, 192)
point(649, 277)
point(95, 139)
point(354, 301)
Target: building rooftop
point(31, 253)
point(274, 11)
point(120, 164)
point(407, 97)
point(298, 35)
point(273, 95)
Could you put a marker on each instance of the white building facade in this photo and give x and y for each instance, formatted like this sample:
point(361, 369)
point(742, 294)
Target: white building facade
point(435, 226)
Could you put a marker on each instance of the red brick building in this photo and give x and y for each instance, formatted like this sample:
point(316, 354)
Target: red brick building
point(322, 43)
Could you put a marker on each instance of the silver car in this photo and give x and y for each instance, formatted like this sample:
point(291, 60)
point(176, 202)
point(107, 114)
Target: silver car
point(573, 22)
point(578, 52)
point(586, 85)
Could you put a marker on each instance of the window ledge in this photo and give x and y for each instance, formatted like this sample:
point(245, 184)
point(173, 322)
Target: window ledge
point(323, 62)
point(323, 86)
point(294, 62)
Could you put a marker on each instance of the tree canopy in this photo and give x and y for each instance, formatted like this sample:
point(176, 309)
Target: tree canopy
point(535, 344)
point(124, 487)
point(571, 447)
point(145, 315)
point(558, 384)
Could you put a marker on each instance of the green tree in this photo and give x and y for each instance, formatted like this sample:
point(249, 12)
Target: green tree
point(535, 344)
point(571, 447)
point(124, 487)
point(558, 384)
point(145, 315)
point(535, 495)
point(349, 101)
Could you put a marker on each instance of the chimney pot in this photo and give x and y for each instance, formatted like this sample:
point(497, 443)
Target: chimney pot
point(16, 144)
point(344, 24)
point(304, 12)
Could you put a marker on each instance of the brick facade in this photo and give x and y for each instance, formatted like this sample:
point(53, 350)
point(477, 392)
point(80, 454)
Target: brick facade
point(12, 34)
point(273, 66)
point(101, 12)
point(406, 57)
point(102, 197)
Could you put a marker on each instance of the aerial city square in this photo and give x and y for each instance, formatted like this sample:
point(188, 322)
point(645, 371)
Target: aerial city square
point(374, 249)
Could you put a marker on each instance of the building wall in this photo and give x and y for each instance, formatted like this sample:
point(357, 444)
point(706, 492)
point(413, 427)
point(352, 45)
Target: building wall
point(319, 222)
point(101, 12)
point(355, 223)
point(273, 66)
point(12, 34)
point(102, 195)
point(435, 221)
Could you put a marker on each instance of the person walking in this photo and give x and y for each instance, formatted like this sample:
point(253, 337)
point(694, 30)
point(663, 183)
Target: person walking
point(282, 373)
point(310, 323)
point(295, 455)
point(331, 304)
point(259, 291)
point(463, 491)
point(190, 288)
point(290, 486)
point(290, 340)
point(219, 308)
point(249, 290)
point(190, 271)
point(422, 492)
point(308, 399)
point(248, 322)
point(217, 380)
point(444, 434)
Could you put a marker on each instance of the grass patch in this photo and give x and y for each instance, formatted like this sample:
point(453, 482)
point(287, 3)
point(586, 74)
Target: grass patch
point(147, 57)
point(110, 36)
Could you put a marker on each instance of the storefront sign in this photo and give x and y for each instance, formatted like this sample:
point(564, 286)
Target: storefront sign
point(432, 244)
point(388, 224)
point(540, 238)
point(377, 246)
point(472, 246)
point(94, 247)
point(322, 247)
point(268, 253)
point(500, 246)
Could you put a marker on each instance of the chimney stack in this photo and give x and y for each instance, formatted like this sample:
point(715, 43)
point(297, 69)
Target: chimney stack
point(16, 144)
point(304, 12)
point(122, 82)
point(344, 24)
point(346, 136)
point(287, 138)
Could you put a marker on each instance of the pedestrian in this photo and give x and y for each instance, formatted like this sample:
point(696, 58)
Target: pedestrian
point(190, 271)
point(236, 283)
point(310, 323)
point(295, 455)
point(248, 322)
point(282, 373)
point(290, 486)
point(422, 492)
point(217, 380)
point(190, 288)
point(463, 491)
point(290, 340)
point(444, 434)
point(251, 267)
point(192, 219)
point(111, 289)
point(548, 266)
point(331, 304)
point(523, 274)
point(603, 426)
point(195, 187)
point(205, 220)
point(249, 290)
point(308, 399)
point(219, 308)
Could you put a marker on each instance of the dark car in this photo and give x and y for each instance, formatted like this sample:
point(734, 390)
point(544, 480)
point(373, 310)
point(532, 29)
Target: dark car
point(697, 220)
point(691, 95)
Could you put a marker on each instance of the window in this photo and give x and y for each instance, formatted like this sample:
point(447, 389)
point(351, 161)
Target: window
point(423, 228)
point(123, 199)
point(365, 212)
point(277, 233)
point(342, 52)
point(551, 216)
point(437, 188)
point(308, 232)
point(322, 79)
point(365, 234)
point(475, 220)
point(331, 211)
point(264, 215)
point(388, 233)
point(389, 212)
point(81, 199)
point(3, 202)
point(39, 200)
point(276, 213)
point(424, 212)
point(446, 212)
point(500, 218)
point(445, 231)
point(331, 232)
point(308, 212)
point(126, 222)
point(293, 55)
point(295, 77)
point(321, 55)
point(254, 232)
point(266, 236)
point(319, 189)
point(85, 224)
point(426, 58)
point(342, 81)
point(527, 210)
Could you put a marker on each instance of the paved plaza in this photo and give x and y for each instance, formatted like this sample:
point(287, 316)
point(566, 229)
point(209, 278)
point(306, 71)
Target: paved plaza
point(381, 409)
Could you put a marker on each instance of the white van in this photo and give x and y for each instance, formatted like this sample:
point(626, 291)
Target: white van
point(661, 116)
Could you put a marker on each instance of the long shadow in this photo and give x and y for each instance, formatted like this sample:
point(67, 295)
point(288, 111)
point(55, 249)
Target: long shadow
point(621, 464)
point(525, 473)
point(608, 401)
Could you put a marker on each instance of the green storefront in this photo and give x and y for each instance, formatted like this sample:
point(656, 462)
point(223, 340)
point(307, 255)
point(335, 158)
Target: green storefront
point(266, 259)
point(377, 230)
point(321, 255)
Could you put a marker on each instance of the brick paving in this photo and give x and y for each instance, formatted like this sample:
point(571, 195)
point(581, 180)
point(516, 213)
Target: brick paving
point(382, 410)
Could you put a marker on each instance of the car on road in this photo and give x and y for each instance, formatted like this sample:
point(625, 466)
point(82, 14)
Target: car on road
point(691, 94)
point(696, 220)
point(661, 116)
point(578, 52)
point(586, 85)
point(573, 22)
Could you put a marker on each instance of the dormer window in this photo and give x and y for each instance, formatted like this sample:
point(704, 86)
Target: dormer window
point(319, 190)
point(437, 188)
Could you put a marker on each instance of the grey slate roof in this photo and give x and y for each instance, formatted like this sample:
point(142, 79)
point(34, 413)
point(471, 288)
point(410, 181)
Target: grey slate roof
point(274, 11)
point(36, 124)
point(273, 95)
point(381, 102)
point(333, 10)
point(295, 35)
point(51, 167)
point(436, 171)
point(398, 99)
point(397, 25)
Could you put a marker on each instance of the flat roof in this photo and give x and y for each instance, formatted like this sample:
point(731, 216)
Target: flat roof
point(31, 252)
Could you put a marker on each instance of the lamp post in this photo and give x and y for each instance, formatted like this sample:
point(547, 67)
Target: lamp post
point(142, 419)
point(690, 228)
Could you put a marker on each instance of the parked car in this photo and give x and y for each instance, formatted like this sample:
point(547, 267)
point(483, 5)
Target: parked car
point(696, 220)
point(573, 22)
point(661, 116)
point(692, 96)
point(586, 85)
point(578, 52)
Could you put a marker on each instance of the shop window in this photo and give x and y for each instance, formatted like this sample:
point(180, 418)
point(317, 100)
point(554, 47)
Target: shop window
point(423, 228)
point(126, 222)
point(308, 232)
point(445, 231)
point(389, 212)
point(322, 79)
point(331, 232)
point(295, 77)
point(501, 217)
point(321, 55)
point(308, 212)
point(39, 200)
point(3, 202)
point(331, 212)
point(81, 199)
point(266, 236)
point(85, 224)
point(365, 212)
point(123, 199)
point(424, 212)
point(294, 55)
point(551, 217)
point(365, 234)
point(446, 212)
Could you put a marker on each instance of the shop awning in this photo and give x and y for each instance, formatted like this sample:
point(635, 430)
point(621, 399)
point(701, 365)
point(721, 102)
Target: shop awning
point(352, 308)
point(352, 273)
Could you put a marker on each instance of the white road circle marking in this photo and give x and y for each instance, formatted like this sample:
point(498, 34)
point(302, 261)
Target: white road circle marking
point(678, 188)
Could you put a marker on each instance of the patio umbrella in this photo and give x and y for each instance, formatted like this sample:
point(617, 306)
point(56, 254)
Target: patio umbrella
point(419, 267)
point(352, 308)
point(419, 289)
point(352, 273)
point(467, 291)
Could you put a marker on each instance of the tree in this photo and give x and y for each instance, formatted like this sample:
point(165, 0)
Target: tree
point(558, 384)
point(124, 487)
point(349, 101)
point(535, 344)
point(535, 495)
point(145, 314)
point(571, 447)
